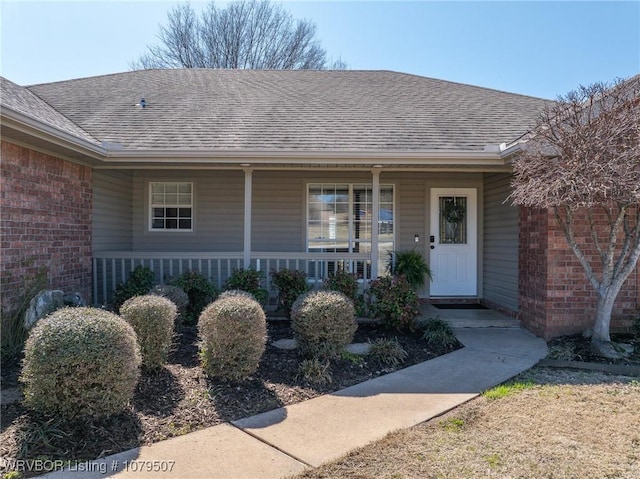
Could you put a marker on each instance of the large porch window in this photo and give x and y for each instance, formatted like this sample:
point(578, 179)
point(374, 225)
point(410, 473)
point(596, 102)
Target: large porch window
point(339, 218)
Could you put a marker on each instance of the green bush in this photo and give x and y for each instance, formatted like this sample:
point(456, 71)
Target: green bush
point(140, 282)
point(343, 282)
point(152, 318)
point(394, 301)
point(387, 352)
point(411, 264)
point(290, 284)
point(438, 334)
point(233, 334)
point(175, 294)
point(248, 280)
point(200, 291)
point(323, 322)
point(80, 362)
point(347, 284)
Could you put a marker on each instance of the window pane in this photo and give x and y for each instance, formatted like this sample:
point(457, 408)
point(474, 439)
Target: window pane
point(157, 223)
point(184, 212)
point(171, 188)
point(157, 199)
point(157, 188)
point(315, 191)
point(184, 188)
point(185, 224)
point(158, 212)
point(184, 199)
point(453, 220)
point(342, 194)
point(342, 210)
point(171, 224)
point(386, 194)
point(171, 199)
point(171, 212)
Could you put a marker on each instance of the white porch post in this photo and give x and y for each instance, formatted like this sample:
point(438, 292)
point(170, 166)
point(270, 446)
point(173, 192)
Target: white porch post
point(375, 218)
point(248, 187)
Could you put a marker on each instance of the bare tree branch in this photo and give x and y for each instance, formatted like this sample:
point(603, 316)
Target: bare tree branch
point(255, 34)
point(583, 155)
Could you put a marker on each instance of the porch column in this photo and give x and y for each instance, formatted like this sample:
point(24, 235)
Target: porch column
point(248, 187)
point(375, 218)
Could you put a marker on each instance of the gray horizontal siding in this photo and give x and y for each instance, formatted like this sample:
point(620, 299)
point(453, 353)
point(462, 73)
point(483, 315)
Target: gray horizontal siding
point(112, 210)
point(218, 212)
point(279, 206)
point(500, 243)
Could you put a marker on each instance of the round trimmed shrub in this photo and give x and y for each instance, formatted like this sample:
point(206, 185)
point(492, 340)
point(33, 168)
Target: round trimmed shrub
point(174, 294)
point(323, 322)
point(79, 363)
point(152, 318)
point(233, 334)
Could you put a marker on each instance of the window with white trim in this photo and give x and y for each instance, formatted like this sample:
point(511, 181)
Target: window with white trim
point(339, 218)
point(170, 206)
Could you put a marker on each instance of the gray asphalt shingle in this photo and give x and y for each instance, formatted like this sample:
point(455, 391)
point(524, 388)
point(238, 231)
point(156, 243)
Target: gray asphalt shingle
point(21, 100)
point(204, 109)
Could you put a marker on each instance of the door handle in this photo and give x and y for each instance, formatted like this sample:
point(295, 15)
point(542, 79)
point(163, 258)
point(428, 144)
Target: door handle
point(432, 247)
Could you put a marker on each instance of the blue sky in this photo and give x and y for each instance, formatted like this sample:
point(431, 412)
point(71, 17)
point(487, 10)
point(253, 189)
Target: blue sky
point(538, 48)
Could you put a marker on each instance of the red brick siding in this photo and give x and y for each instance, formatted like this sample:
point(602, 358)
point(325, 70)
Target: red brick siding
point(46, 222)
point(555, 296)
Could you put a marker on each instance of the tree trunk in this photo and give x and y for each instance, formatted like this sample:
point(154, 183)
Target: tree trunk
point(604, 308)
point(601, 340)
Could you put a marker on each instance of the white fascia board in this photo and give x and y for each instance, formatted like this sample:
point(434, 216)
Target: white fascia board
point(387, 158)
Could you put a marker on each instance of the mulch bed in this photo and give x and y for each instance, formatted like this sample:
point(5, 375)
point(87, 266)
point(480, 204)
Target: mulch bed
point(180, 399)
point(578, 348)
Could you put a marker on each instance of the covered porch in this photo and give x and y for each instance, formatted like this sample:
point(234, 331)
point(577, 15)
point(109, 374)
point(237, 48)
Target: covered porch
point(314, 219)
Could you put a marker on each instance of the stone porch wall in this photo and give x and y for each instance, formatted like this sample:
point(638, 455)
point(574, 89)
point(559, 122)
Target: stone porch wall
point(45, 225)
point(555, 295)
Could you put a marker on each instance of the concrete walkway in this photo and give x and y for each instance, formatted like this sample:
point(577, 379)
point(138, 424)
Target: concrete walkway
point(288, 440)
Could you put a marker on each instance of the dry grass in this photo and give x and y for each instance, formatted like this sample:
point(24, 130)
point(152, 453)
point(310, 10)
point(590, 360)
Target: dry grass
point(559, 424)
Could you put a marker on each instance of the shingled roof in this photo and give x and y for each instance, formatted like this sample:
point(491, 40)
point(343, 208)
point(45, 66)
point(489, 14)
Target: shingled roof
point(261, 110)
point(22, 101)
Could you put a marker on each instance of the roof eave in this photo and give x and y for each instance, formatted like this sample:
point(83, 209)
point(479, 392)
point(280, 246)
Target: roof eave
point(37, 129)
point(385, 157)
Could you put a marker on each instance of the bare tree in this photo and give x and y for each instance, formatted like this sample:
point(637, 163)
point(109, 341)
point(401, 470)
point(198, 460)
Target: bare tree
point(583, 162)
point(245, 34)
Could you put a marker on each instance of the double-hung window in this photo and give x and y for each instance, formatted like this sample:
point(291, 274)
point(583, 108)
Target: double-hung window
point(339, 218)
point(170, 206)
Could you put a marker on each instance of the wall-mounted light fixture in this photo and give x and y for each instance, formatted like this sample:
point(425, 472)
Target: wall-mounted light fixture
point(416, 238)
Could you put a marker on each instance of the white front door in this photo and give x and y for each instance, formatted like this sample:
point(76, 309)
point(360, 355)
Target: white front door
point(454, 242)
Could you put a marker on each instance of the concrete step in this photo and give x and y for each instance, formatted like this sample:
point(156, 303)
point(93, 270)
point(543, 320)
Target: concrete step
point(470, 318)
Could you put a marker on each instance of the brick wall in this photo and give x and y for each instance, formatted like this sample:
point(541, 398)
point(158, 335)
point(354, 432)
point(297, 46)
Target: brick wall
point(45, 223)
point(555, 296)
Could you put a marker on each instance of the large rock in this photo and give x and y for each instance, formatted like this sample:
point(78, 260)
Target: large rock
point(43, 304)
point(74, 299)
